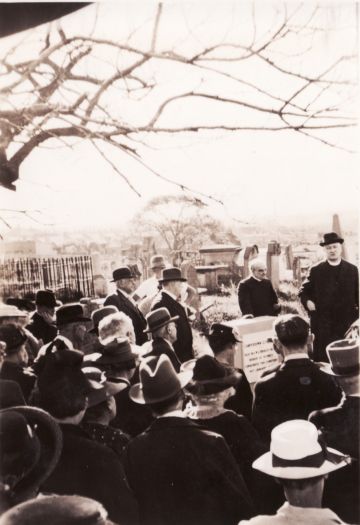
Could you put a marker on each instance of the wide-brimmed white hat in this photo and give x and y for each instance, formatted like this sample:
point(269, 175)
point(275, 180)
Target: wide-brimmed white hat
point(296, 453)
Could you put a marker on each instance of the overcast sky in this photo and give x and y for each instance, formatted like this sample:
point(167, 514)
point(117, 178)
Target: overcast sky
point(256, 174)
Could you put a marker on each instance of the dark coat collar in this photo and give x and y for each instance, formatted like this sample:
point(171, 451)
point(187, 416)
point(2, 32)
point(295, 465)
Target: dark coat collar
point(293, 363)
point(171, 422)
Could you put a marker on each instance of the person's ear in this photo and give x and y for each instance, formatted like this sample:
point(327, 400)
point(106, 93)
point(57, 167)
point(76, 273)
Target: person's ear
point(310, 339)
point(277, 345)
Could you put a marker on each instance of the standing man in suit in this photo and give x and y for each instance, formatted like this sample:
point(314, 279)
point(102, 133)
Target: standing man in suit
point(298, 386)
point(163, 330)
point(168, 297)
point(331, 296)
point(256, 293)
point(42, 324)
point(179, 472)
point(125, 285)
point(340, 426)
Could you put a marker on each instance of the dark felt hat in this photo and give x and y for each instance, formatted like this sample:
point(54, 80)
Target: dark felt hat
point(98, 315)
point(209, 375)
point(123, 272)
point(70, 313)
point(219, 336)
point(10, 394)
point(344, 358)
point(97, 382)
point(22, 304)
point(158, 318)
point(331, 238)
point(46, 298)
point(158, 381)
point(57, 510)
point(171, 274)
point(116, 352)
point(31, 446)
point(13, 337)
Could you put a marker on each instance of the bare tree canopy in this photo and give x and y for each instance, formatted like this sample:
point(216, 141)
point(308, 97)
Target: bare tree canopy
point(115, 93)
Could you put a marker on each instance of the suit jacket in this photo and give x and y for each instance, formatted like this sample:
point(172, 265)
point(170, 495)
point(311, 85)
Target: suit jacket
point(292, 392)
point(182, 474)
point(336, 301)
point(161, 346)
point(257, 297)
point(183, 345)
point(123, 304)
point(340, 427)
point(41, 329)
point(89, 469)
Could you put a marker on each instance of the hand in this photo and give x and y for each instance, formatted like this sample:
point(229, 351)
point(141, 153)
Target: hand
point(310, 306)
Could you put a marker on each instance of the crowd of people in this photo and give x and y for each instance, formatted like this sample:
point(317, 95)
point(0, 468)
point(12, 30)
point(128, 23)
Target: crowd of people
point(118, 418)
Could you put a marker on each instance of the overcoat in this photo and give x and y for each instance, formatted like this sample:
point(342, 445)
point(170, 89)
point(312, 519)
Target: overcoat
point(182, 474)
point(257, 297)
point(295, 390)
point(123, 304)
point(337, 304)
point(161, 346)
point(183, 345)
point(41, 329)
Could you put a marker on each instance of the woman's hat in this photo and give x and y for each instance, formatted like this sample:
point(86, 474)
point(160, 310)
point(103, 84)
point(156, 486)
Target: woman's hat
point(8, 310)
point(57, 510)
point(209, 375)
point(297, 453)
point(221, 335)
point(171, 274)
point(344, 358)
point(99, 315)
point(331, 238)
point(158, 318)
point(158, 381)
point(13, 336)
point(31, 444)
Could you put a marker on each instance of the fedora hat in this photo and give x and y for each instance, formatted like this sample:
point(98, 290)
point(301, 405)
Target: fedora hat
point(209, 375)
point(171, 274)
point(158, 381)
point(98, 315)
point(8, 310)
point(331, 238)
point(118, 352)
point(344, 358)
point(22, 304)
point(46, 298)
point(158, 318)
point(70, 313)
point(98, 391)
point(157, 261)
point(123, 272)
point(31, 443)
point(296, 453)
point(12, 336)
point(57, 510)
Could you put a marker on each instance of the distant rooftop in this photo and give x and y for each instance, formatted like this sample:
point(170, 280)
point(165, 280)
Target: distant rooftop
point(220, 248)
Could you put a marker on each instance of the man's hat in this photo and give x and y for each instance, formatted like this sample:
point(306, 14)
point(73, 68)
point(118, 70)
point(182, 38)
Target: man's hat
point(123, 272)
point(99, 314)
point(70, 313)
point(331, 238)
point(158, 318)
point(209, 376)
point(344, 358)
point(10, 394)
point(157, 261)
point(117, 352)
point(98, 389)
point(31, 443)
point(46, 298)
point(171, 274)
point(158, 381)
point(296, 453)
point(57, 510)
point(13, 337)
point(7, 310)
point(22, 304)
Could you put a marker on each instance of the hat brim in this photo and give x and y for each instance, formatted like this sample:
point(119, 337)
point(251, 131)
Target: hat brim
point(182, 279)
point(49, 435)
point(264, 464)
point(339, 240)
point(136, 392)
point(171, 320)
point(196, 385)
point(326, 367)
point(79, 319)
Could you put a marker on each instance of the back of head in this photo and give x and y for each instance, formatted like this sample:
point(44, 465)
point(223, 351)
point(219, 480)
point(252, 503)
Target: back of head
point(116, 325)
point(292, 331)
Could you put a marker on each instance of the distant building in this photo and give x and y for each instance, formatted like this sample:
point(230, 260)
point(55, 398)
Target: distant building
point(17, 249)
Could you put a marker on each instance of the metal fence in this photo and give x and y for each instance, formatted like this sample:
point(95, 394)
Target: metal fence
point(69, 277)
